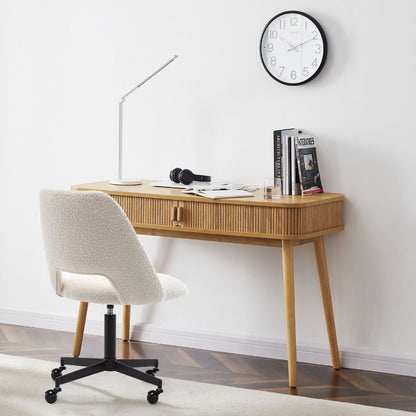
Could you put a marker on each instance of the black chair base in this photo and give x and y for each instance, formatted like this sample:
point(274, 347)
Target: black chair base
point(108, 363)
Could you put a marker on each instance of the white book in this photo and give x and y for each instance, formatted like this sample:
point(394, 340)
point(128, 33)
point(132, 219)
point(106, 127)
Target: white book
point(288, 159)
point(169, 184)
point(285, 184)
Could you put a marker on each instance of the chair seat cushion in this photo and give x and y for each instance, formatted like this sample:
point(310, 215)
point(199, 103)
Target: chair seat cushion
point(172, 287)
point(98, 289)
point(88, 288)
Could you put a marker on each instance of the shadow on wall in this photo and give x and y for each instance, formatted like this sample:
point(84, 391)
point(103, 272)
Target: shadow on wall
point(160, 263)
point(372, 247)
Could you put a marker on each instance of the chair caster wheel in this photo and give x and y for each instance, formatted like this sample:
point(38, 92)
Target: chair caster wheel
point(51, 395)
point(152, 372)
point(153, 396)
point(57, 372)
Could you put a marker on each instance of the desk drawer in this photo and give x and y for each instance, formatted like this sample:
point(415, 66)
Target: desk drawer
point(143, 211)
point(260, 221)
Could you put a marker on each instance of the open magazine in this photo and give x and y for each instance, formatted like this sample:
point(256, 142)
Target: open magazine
point(217, 191)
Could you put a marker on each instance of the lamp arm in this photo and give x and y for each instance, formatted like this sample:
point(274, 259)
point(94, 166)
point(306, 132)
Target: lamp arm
point(149, 77)
point(120, 121)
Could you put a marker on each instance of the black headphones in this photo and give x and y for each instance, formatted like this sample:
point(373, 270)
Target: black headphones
point(186, 177)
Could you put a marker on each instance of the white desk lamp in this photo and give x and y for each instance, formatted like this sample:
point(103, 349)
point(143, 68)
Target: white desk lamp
point(120, 180)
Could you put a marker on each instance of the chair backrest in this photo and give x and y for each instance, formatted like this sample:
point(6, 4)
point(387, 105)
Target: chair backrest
point(89, 233)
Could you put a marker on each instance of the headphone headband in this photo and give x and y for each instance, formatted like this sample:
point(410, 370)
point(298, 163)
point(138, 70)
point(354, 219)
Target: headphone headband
point(186, 176)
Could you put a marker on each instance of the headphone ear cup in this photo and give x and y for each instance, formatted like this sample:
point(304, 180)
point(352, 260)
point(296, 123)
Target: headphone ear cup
point(185, 176)
point(174, 175)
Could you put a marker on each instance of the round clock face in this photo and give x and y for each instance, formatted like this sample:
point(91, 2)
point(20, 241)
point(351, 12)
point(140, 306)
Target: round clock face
point(293, 48)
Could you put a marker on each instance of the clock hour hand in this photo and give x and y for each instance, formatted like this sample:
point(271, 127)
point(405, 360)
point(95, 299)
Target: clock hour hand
point(291, 46)
point(300, 44)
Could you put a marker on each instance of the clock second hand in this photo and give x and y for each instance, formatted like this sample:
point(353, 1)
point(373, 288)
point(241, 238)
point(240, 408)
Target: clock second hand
point(300, 44)
point(291, 46)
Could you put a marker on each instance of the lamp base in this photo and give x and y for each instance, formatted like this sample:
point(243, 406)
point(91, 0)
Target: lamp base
point(124, 182)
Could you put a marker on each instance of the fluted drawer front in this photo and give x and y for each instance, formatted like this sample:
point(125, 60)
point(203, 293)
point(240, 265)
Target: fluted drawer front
point(245, 220)
point(263, 220)
point(240, 219)
point(146, 211)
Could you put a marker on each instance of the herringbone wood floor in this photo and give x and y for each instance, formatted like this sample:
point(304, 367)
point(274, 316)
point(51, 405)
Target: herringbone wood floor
point(354, 386)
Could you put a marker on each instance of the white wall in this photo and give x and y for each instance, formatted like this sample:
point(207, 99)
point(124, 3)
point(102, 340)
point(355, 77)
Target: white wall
point(64, 66)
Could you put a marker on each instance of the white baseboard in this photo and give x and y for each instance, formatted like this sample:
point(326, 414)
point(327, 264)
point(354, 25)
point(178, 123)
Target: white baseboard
point(215, 341)
point(272, 348)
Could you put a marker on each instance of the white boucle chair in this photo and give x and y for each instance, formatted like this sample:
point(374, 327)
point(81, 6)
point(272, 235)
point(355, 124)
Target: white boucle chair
point(94, 256)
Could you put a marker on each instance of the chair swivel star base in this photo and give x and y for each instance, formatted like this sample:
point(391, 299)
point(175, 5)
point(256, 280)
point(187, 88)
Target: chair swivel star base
point(108, 363)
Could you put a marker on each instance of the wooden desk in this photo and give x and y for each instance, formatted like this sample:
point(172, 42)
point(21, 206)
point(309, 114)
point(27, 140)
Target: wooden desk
point(286, 223)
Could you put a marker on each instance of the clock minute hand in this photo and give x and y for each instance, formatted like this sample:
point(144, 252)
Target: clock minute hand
point(300, 44)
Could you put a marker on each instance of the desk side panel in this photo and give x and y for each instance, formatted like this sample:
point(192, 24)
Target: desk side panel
point(321, 217)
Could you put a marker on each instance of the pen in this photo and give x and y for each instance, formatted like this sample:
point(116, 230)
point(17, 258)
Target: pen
point(215, 189)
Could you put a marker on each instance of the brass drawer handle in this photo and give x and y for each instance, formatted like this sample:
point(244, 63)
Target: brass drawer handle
point(179, 214)
point(173, 212)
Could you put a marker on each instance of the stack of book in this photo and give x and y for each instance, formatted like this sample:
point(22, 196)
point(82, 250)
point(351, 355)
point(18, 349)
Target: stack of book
point(296, 163)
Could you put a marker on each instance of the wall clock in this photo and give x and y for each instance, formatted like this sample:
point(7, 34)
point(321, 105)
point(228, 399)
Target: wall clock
point(293, 48)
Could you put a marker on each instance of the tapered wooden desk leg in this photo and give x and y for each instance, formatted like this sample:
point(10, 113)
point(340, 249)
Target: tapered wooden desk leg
point(125, 333)
point(326, 299)
point(289, 288)
point(79, 332)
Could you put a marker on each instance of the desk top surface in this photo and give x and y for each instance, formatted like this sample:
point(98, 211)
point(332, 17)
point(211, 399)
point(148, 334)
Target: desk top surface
point(145, 190)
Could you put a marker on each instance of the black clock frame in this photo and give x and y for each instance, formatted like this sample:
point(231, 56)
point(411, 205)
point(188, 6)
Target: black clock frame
point(324, 40)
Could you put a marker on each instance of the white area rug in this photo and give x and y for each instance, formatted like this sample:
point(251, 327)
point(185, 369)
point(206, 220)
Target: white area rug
point(23, 382)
